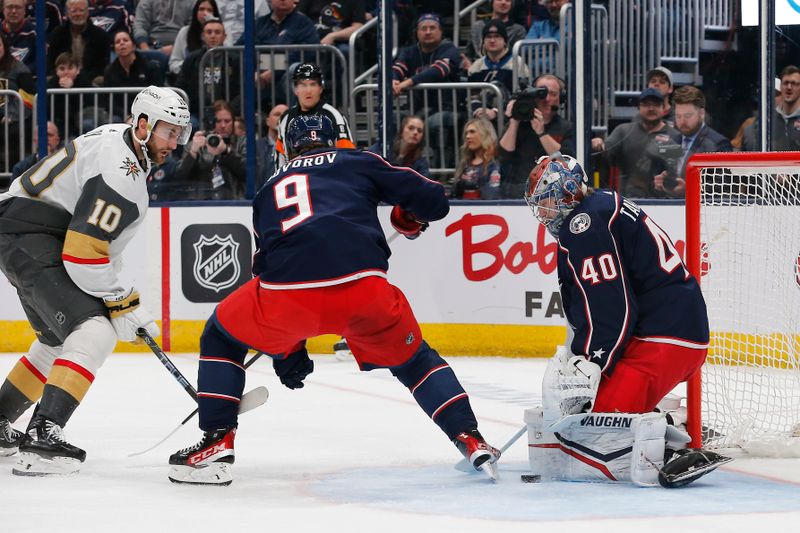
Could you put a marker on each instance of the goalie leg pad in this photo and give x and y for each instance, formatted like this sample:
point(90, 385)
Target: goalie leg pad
point(220, 377)
point(437, 390)
point(597, 447)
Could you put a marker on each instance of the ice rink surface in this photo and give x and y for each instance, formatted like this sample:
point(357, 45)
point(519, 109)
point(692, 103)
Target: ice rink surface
point(353, 452)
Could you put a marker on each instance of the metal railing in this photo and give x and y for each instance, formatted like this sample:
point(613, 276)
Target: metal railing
point(11, 130)
point(278, 58)
point(680, 32)
point(601, 90)
point(718, 14)
point(79, 110)
point(366, 76)
point(541, 56)
point(633, 31)
point(471, 11)
point(442, 145)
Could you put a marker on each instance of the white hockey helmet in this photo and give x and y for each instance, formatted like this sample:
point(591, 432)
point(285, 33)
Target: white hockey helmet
point(161, 103)
point(556, 186)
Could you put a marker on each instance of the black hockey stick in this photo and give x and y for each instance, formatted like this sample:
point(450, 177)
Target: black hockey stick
point(250, 400)
point(156, 349)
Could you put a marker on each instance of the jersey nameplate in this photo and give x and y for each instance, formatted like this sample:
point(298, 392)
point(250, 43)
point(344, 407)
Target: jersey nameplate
point(310, 161)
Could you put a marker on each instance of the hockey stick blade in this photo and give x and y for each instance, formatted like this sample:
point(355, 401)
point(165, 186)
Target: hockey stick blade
point(464, 465)
point(250, 400)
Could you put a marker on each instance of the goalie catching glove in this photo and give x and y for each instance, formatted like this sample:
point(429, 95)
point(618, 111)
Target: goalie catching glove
point(406, 223)
point(127, 316)
point(578, 381)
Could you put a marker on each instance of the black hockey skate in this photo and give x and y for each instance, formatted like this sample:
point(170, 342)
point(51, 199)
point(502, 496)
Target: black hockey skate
point(682, 467)
point(342, 351)
point(206, 463)
point(44, 451)
point(482, 456)
point(9, 438)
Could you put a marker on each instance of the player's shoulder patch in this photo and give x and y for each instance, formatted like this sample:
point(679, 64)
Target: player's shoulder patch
point(580, 223)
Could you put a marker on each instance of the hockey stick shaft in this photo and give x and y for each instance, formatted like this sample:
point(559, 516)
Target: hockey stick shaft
point(156, 349)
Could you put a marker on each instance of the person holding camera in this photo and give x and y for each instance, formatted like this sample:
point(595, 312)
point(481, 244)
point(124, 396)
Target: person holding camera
point(215, 160)
point(534, 129)
point(643, 149)
point(696, 137)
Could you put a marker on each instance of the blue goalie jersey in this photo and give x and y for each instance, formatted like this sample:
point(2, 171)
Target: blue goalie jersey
point(316, 223)
point(622, 277)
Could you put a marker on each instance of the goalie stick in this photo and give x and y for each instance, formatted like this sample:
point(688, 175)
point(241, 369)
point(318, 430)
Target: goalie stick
point(250, 400)
point(464, 465)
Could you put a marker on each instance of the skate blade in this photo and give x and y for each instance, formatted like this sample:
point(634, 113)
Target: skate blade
point(490, 469)
point(33, 465)
point(211, 474)
point(7, 452)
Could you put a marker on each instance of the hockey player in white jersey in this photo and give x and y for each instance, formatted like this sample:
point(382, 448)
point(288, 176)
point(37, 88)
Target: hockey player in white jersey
point(63, 226)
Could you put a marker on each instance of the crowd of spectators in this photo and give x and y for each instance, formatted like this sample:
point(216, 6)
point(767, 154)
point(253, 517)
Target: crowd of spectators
point(135, 43)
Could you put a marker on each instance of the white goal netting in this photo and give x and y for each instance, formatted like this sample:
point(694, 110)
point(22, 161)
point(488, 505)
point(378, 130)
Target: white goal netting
point(750, 261)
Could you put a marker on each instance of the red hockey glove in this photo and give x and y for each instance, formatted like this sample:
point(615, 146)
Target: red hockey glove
point(405, 223)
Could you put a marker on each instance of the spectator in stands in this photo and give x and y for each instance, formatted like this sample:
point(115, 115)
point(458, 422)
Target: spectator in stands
point(89, 45)
point(66, 109)
point(496, 66)
point(53, 13)
point(157, 24)
point(14, 76)
point(53, 144)
point(232, 15)
point(284, 26)
point(20, 33)
point(335, 21)
point(660, 78)
point(215, 160)
point(526, 12)
point(786, 123)
point(218, 73)
point(111, 16)
point(430, 60)
point(636, 147)
point(548, 28)
point(190, 37)
point(239, 126)
point(525, 141)
point(407, 149)
point(478, 173)
point(129, 69)
point(501, 10)
point(696, 137)
point(266, 156)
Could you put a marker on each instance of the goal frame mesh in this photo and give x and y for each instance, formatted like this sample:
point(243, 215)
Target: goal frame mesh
point(747, 163)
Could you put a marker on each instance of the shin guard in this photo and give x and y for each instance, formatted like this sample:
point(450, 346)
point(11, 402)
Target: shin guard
point(436, 389)
point(220, 378)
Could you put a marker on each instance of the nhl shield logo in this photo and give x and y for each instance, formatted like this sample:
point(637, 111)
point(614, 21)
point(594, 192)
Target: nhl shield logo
point(215, 263)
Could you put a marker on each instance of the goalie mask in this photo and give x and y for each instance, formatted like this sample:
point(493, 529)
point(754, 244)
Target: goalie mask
point(556, 185)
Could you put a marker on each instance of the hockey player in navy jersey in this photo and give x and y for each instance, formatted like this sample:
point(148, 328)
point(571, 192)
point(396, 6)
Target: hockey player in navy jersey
point(320, 267)
point(637, 326)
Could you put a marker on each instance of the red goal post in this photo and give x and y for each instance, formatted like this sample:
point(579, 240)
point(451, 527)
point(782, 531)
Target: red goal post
point(743, 246)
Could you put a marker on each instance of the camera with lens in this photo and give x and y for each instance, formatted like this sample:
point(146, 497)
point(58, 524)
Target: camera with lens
point(525, 100)
point(669, 155)
point(213, 139)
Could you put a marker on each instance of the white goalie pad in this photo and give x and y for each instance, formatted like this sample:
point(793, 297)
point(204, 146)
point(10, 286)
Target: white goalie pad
point(597, 447)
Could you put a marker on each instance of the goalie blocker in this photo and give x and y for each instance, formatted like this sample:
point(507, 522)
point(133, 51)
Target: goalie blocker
point(640, 448)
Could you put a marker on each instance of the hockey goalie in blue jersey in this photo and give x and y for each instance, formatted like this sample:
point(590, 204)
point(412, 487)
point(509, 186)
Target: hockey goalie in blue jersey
point(637, 327)
point(321, 267)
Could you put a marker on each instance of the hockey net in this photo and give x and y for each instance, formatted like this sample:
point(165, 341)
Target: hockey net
point(743, 239)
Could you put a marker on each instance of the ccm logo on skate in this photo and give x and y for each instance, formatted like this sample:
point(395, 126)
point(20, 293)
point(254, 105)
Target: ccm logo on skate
point(208, 452)
point(607, 421)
